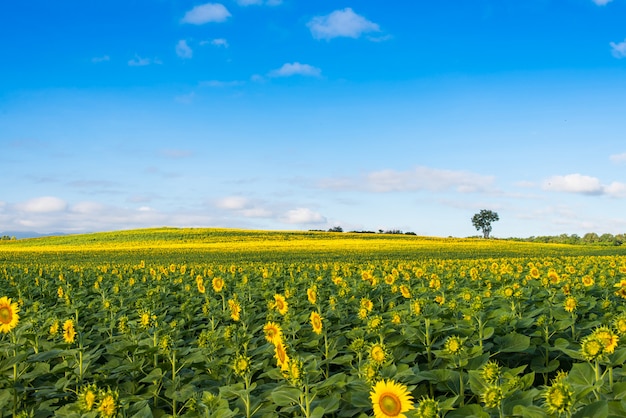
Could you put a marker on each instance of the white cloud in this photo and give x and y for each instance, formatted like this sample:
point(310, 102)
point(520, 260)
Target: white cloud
point(218, 83)
point(45, 204)
point(296, 68)
point(341, 23)
point(183, 50)
point(87, 207)
point(233, 202)
point(303, 216)
point(577, 183)
point(100, 59)
point(209, 12)
point(573, 183)
point(217, 42)
point(142, 62)
point(602, 2)
point(419, 178)
point(259, 2)
point(618, 158)
point(618, 50)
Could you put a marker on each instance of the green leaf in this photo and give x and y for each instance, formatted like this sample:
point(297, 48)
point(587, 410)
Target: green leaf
point(512, 343)
point(599, 409)
point(468, 411)
point(318, 412)
point(529, 412)
point(285, 396)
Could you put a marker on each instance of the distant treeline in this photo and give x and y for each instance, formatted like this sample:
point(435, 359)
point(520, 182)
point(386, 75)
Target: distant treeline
point(588, 238)
point(380, 231)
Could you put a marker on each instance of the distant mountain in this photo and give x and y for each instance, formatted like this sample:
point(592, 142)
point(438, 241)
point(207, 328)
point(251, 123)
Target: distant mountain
point(29, 234)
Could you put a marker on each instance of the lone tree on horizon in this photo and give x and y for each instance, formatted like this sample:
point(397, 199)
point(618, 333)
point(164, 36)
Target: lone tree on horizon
point(483, 219)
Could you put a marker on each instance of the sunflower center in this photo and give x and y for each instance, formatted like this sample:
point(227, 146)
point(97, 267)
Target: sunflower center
point(5, 315)
point(390, 404)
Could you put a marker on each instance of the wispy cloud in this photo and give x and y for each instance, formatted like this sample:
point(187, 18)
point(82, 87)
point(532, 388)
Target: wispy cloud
point(602, 2)
point(303, 216)
point(618, 49)
point(341, 23)
point(103, 58)
point(44, 204)
point(417, 179)
point(221, 42)
point(618, 158)
point(220, 84)
point(183, 50)
point(581, 184)
point(243, 206)
point(205, 13)
point(142, 62)
point(259, 2)
point(290, 69)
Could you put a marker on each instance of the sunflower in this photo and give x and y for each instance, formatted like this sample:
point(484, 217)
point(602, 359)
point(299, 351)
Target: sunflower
point(87, 398)
point(241, 365)
point(587, 281)
point(406, 293)
point(282, 359)
point(378, 353)
point(218, 284)
point(592, 347)
point(108, 404)
point(390, 399)
point(367, 304)
point(492, 396)
point(235, 309)
point(280, 304)
point(273, 333)
point(69, 332)
point(54, 328)
point(454, 344)
point(311, 294)
point(428, 408)
point(558, 398)
point(491, 372)
point(8, 315)
point(200, 284)
point(608, 337)
point(316, 322)
point(570, 304)
point(620, 324)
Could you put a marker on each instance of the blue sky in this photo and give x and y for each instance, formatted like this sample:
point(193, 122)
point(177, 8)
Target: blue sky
point(270, 114)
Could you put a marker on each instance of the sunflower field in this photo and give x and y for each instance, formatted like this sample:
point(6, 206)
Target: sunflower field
point(351, 329)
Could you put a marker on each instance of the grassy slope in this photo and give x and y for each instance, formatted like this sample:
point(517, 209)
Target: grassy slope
point(198, 244)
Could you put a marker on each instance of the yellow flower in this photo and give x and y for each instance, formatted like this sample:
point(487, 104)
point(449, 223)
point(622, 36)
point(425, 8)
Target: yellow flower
point(492, 396)
point(608, 338)
point(591, 347)
point(87, 398)
point(200, 285)
point(69, 333)
point(428, 408)
point(316, 322)
point(620, 324)
point(235, 309)
point(273, 333)
point(416, 307)
point(282, 359)
point(378, 353)
point(367, 304)
point(241, 365)
point(218, 284)
point(391, 399)
point(570, 304)
point(311, 294)
point(107, 406)
point(454, 344)
point(280, 304)
point(54, 328)
point(587, 281)
point(406, 293)
point(8, 315)
point(558, 398)
point(60, 292)
point(396, 319)
point(491, 372)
